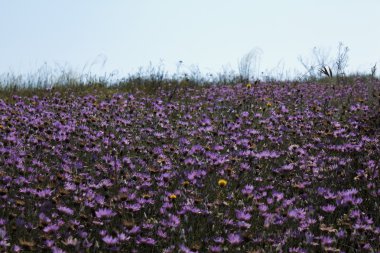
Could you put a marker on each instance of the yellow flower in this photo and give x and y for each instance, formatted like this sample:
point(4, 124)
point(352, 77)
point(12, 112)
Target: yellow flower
point(249, 85)
point(172, 196)
point(269, 104)
point(222, 182)
point(186, 183)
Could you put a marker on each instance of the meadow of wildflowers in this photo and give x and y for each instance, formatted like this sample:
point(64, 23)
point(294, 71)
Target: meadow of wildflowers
point(287, 167)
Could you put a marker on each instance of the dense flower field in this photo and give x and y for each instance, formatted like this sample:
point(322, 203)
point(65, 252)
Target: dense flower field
point(261, 168)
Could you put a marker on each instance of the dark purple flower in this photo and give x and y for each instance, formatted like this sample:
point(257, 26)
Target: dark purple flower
point(146, 240)
point(327, 240)
point(215, 248)
point(297, 213)
point(44, 193)
point(17, 248)
point(185, 249)
point(174, 221)
point(243, 224)
point(134, 230)
point(110, 240)
point(241, 215)
point(161, 233)
point(65, 210)
point(104, 213)
point(297, 250)
point(51, 228)
point(55, 249)
point(328, 208)
point(123, 237)
point(263, 208)
point(234, 239)
point(248, 189)
point(219, 240)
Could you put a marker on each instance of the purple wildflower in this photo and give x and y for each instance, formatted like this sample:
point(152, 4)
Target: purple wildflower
point(44, 193)
point(297, 213)
point(55, 249)
point(215, 248)
point(146, 240)
point(241, 215)
point(326, 240)
point(185, 249)
point(174, 221)
point(104, 213)
point(328, 208)
point(297, 250)
point(110, 240)
point(51, 228)
point(248, 189)
point(66, 210)
point(234, 239)
point(219, 240)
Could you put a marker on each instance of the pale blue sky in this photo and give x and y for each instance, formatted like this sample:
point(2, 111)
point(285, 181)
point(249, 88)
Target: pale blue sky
point(207, 33)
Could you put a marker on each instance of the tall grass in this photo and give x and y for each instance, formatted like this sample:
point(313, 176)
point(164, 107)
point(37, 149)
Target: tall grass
point(48, 80)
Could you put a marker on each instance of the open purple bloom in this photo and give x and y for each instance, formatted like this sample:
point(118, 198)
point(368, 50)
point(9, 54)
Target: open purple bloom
point(107, 213)
point(241, 215)
point(215, 248)
point(234, 239)
point(146, 240)
point(327, 240)
point(51, 228)
point(247, 190)
point(110, 240)
point(174, 221)
point(219, 240)
point(184, 249)
point(65, 210)
point(297, 213)
point(328, 208)
point(297, 250)
point(44, 193)
point(55, 249)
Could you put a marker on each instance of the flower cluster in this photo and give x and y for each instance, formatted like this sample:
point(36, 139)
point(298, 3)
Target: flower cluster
point(261, 168)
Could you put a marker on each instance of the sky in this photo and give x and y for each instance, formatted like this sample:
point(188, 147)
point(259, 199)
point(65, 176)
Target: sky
point(119, 36)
